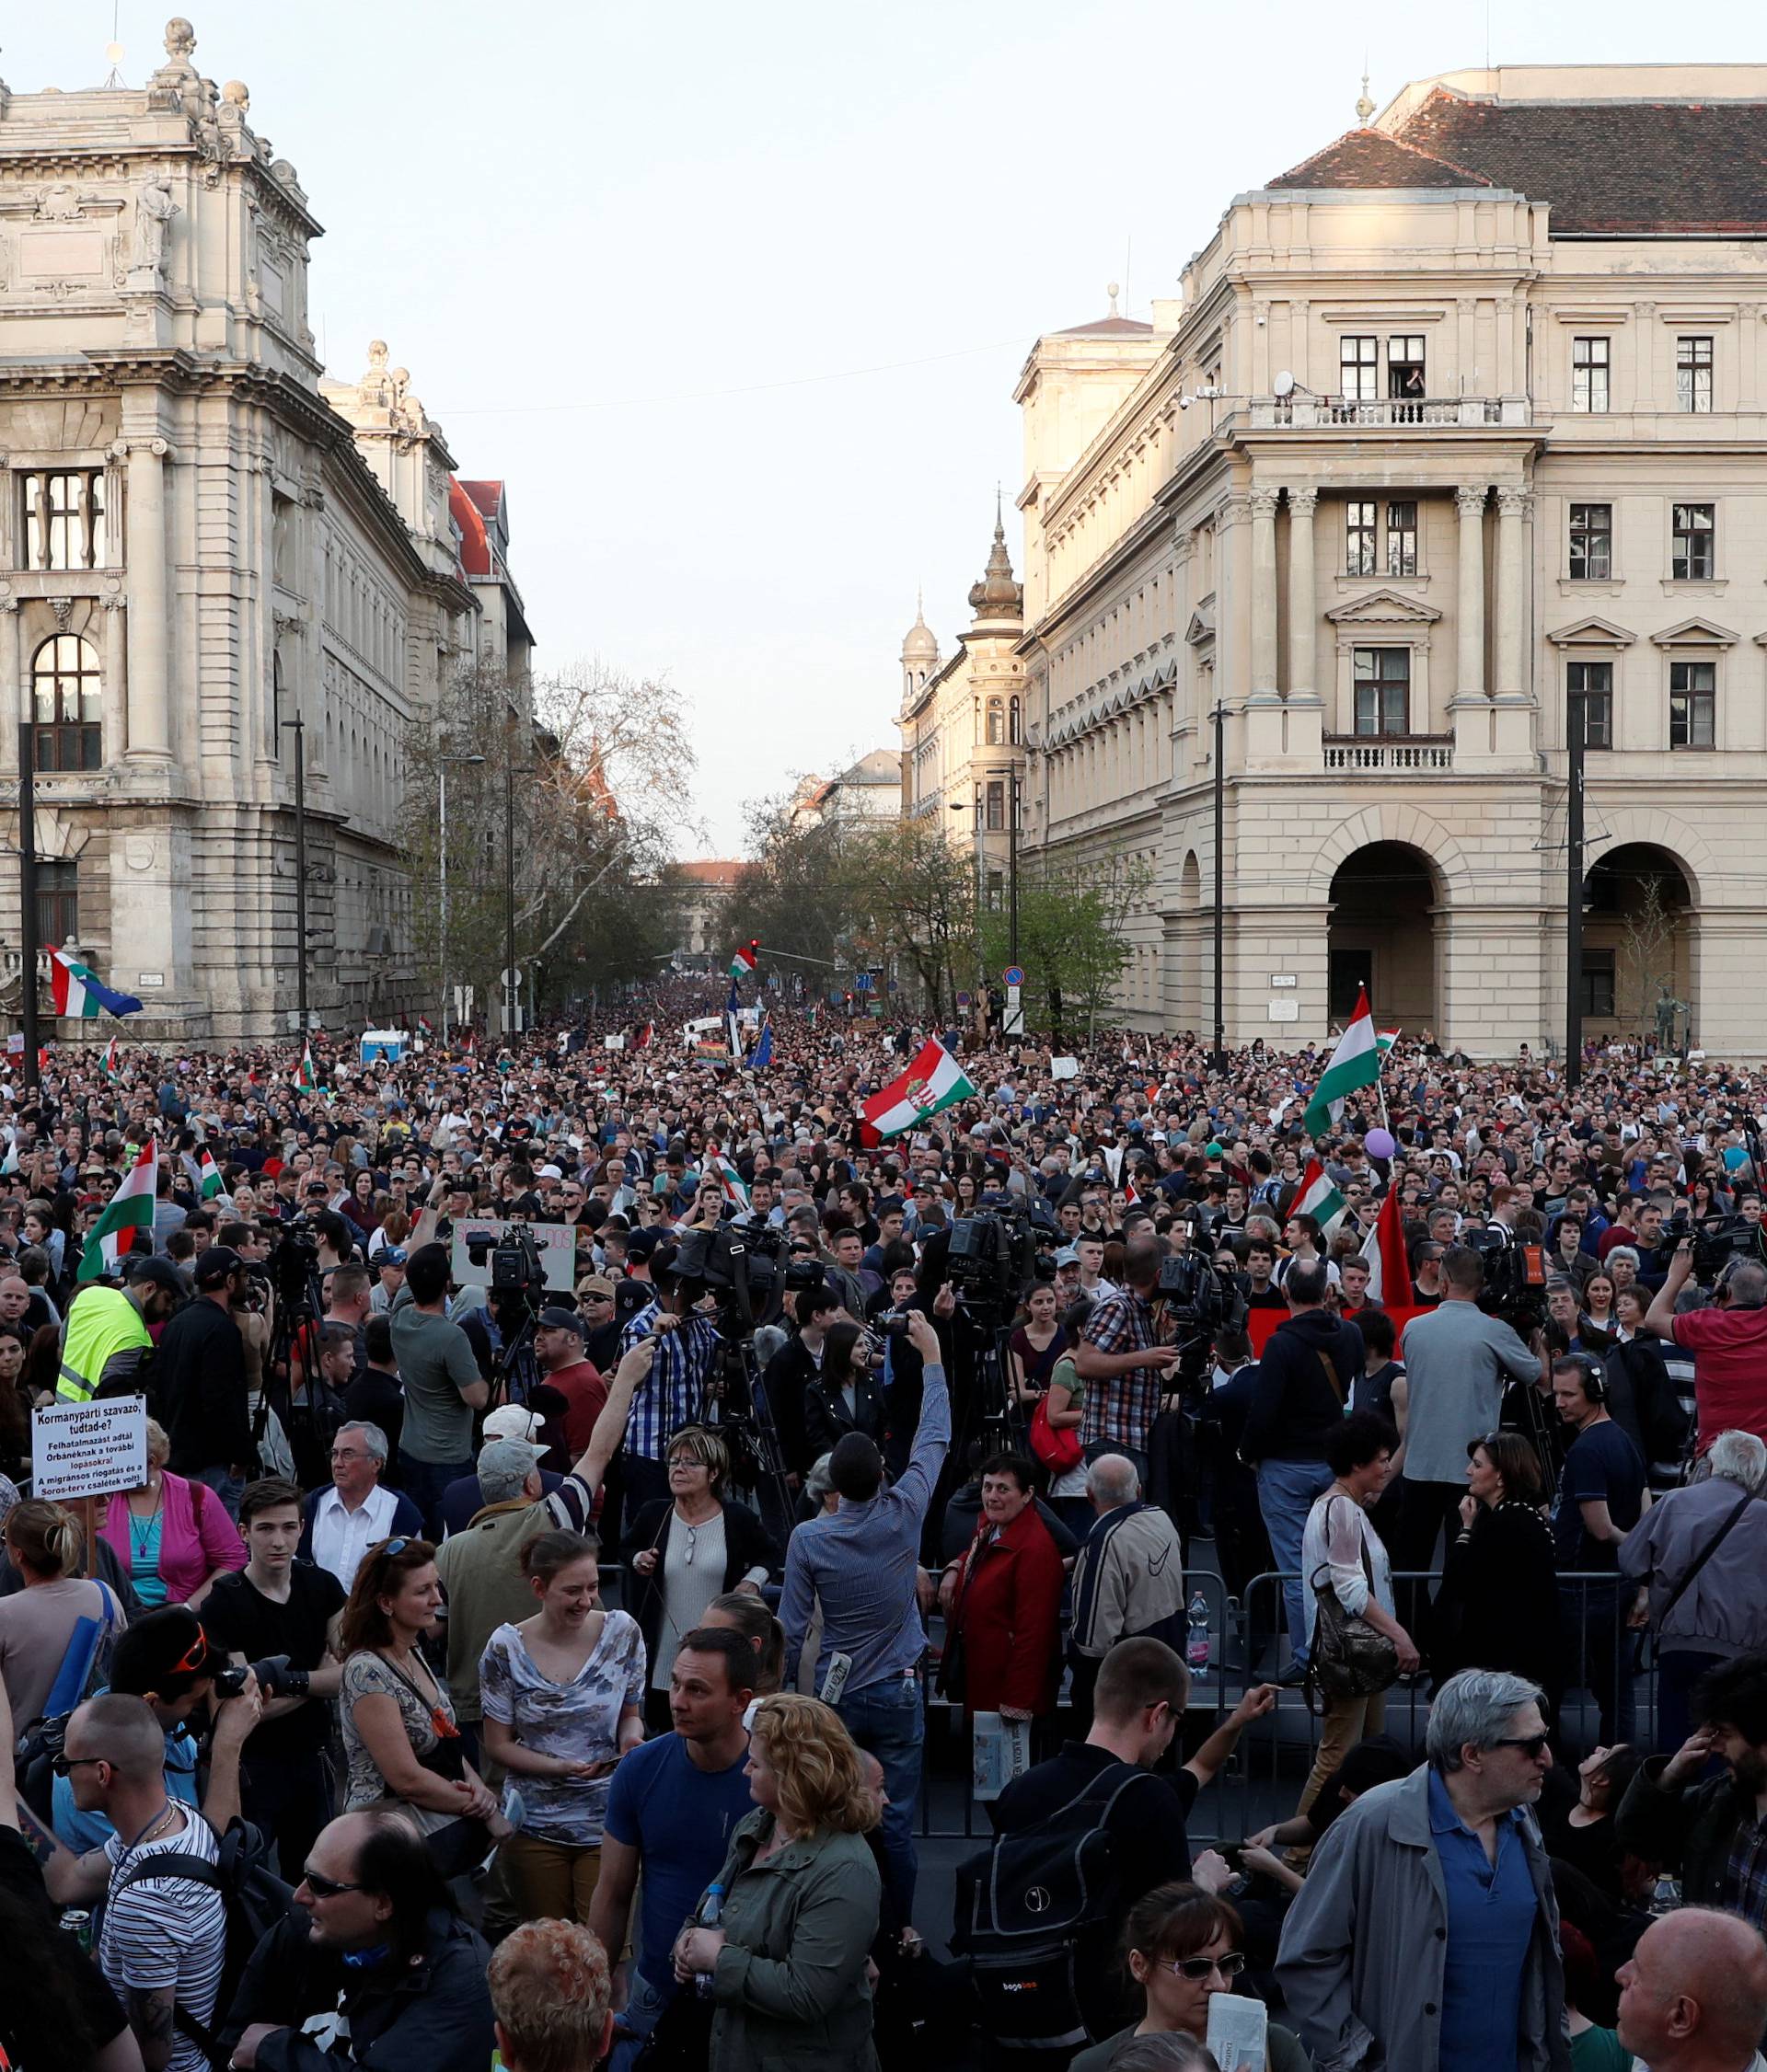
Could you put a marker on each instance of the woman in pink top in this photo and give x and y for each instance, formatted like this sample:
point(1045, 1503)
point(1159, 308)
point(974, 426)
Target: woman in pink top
point(173, 1536)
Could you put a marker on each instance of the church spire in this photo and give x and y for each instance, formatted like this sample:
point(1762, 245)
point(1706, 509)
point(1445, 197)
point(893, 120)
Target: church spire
point(997, 595)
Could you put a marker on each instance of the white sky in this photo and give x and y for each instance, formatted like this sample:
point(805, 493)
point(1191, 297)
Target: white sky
point(643, 209)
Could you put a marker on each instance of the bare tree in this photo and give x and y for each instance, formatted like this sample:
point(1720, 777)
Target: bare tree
point(1648, 925)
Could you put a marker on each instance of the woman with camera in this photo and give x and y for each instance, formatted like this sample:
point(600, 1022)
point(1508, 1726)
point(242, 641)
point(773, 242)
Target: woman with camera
point(686, 1548)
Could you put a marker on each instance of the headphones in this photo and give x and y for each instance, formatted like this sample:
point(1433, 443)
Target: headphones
point(1595, 1380)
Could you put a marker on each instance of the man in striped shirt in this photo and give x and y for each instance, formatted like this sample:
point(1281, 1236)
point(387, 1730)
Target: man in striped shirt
point(670, 1396)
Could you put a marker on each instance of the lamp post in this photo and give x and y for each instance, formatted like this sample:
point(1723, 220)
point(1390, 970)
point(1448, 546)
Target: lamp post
point(1576, 730)
point(442, 818)
point(298, 727)
point(1219, 717)
point(29, 1072)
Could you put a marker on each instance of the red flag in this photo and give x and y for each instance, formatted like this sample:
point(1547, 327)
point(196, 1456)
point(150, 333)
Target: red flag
point(1385, 1248)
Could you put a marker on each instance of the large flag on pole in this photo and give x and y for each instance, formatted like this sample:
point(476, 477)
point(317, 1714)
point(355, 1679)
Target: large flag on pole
point(1319, 1199)
point(934, 1081)
point(763, 1055)
point(111, 1063)
point(1385, 1248)
point(743, 963)
point(130, 1209)
point(1355, 1063)
point(307, 1078)
point(729, 1178)
point(79, 995)
point(733, 1023)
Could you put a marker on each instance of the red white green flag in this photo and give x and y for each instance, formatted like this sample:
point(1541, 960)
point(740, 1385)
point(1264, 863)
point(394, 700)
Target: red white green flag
point(130, 1209)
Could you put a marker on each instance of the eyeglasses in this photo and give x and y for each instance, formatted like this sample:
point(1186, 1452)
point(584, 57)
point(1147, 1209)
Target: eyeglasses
point(322, 1887)
point(1532, 1745)
point(65, 1765)
point(1196, 1969)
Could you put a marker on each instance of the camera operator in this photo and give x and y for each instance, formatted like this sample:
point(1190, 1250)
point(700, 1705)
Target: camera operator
point(1728, 1343)
point(282, 1616)
point(670, 1396)
point(200, 1380)
point(1125, 1366)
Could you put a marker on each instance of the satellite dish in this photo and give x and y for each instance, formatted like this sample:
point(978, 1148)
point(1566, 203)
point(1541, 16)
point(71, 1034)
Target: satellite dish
point(1284, 384)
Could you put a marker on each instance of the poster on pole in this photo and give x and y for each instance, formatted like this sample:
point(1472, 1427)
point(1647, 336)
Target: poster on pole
point(88, 1450)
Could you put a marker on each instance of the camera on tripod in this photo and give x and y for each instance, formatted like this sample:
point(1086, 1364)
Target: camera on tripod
point(1717, 1240)
point(991, 1257)
point(293, 1262)
point(1514, 1289)
point(745, 1271)
point(516, 1266)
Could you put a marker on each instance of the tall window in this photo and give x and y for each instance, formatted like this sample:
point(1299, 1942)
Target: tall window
point(1591, 542)
point(1383, 678)
point(1358, 361)
point(1405, 372)
point(1015, 729)
point(58, 902)
point(64, 516)
point(1402, 539)
point(1692, 704)
point(1694, 375)
point(996, 806)
point(1597, 984)
point(1358, 538)
point(1691, 555)
point(1589, 373)
point(1589, 687)
point(67, 698)
point(996, 723)
point(276, 707)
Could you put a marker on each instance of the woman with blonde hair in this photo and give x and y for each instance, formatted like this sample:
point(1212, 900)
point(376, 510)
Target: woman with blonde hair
point(172, 1535)
point(798, 1902)
point(52, 1631)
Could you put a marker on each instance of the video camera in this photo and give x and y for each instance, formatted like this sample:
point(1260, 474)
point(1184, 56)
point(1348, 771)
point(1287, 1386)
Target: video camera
point(991, 1257)
point(1514, 1290)
point(746, 1270)
point(517, 1270)
point(292, 1264)
point(1717, 1240)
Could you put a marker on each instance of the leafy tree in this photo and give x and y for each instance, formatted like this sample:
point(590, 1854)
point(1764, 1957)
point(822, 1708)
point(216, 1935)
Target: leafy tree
point(1071, 922)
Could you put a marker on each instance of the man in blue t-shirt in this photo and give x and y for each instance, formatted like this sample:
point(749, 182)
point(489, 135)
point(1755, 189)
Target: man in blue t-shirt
point(1600, 1497)
point(673, 1807)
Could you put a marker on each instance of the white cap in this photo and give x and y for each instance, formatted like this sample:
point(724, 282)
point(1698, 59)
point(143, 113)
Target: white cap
point(512, 1422)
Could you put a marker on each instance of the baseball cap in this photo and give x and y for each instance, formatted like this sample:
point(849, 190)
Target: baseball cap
point(160, 1272)
point(595, 1284)
point(548, 1172)
point(512, 1422)
point(1068, 1256)
point(213, 1266)
point(168, 1646)
point(390, 1255)
point(556, 1318)
point(508, 1456)
point(641, 1244)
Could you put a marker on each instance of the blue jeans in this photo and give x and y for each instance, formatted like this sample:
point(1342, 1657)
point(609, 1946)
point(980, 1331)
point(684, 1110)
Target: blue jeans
point(886, 1720)
point(425, 1481)
point(228, 1487)
point(1286, 1490)
point(643, 2009)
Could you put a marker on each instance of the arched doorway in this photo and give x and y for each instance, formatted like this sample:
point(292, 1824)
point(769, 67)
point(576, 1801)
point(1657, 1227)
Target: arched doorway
point(1185, 1009)
point(1384, 901)
point(1637, 943)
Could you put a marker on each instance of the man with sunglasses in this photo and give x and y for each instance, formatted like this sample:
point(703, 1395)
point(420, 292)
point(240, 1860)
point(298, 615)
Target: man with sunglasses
point(1427, 1932)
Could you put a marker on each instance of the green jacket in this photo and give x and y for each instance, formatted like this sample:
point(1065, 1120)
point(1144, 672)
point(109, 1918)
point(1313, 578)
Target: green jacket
point(790, 1988)
point(1694, 1827)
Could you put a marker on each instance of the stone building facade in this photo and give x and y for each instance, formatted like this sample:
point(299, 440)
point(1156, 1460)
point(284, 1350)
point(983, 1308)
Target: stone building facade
point(1449, 444)
point(962, 721)
point(201, 541)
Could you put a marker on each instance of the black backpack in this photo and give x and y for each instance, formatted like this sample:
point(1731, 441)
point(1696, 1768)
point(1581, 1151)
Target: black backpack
point(254, 1898)
point(1022, 1905)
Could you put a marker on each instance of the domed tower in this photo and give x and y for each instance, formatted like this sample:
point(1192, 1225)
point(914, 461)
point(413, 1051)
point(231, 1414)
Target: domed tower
point(919, 655)
point(997, 596)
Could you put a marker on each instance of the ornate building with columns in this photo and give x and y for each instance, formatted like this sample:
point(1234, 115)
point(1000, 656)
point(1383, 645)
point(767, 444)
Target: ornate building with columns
point(200, 542)
point(1451, 443)
point(963, 719)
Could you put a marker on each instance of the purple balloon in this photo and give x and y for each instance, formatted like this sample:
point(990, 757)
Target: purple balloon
point(1380, 1144)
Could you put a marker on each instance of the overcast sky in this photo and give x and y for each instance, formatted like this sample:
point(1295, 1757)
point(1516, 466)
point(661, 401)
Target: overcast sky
point(733, 298)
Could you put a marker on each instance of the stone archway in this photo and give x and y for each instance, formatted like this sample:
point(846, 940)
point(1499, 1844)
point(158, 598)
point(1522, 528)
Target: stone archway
point(1386, 905)
point(1639, 948)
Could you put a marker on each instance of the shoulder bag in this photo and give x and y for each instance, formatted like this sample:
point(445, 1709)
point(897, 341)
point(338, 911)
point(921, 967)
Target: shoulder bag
point(1348, 1658)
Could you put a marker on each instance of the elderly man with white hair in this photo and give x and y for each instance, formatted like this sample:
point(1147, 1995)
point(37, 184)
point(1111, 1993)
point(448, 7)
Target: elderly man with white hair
point(1128, 1579)
point(1697, 1557)
point(341, 1524)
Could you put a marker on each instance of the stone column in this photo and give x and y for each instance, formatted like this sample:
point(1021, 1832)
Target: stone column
point(1470, 601)
point(116, 675)
point(1262, 504)
point(15, 688)
point(1512, 597)
point(150, 628)
point(1303, 630)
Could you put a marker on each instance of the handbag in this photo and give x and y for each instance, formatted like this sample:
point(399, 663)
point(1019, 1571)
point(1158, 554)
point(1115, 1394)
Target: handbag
point(1056, 1446)
point(1348, 1658)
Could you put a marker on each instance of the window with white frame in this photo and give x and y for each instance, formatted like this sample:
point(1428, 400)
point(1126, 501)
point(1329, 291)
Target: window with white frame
point(1692, 704)
point(1359, 537)
point(1694, 375)
point(1589, 370)
point(1381, 678)
point(1358, 361)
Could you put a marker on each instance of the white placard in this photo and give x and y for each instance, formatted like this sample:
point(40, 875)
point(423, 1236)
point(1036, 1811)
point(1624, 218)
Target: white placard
point(88, 1450)
point(1285, 1010)
point(1283, 978)
point(1064, 1069)
point(613, 1042)
point(1239, 2032)
point(557, 1243)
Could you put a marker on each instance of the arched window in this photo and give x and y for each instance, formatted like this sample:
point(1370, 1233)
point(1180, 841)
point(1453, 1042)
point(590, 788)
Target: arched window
point(996, 723)
point(67, 696)
point(1015, 730)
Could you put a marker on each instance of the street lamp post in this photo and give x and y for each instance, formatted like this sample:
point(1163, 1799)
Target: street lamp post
point(298, 727)
point(1575, 726)
point(27, 930)
point(1219, 717)
point(442, 817)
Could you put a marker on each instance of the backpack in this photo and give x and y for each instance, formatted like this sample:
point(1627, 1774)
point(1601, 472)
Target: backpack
point(254, 1899)
point(1021, 1904)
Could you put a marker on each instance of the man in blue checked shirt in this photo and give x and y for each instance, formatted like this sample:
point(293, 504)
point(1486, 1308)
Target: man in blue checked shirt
point(670, 1396)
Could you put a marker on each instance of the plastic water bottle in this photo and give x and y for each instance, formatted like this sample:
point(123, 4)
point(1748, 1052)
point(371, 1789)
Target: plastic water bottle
point(1665, 1896)
point(1196, 1644)
point(712, 1911)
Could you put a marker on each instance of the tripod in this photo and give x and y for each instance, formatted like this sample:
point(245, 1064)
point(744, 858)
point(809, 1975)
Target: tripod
point(308, 1443)
point(733, 1400)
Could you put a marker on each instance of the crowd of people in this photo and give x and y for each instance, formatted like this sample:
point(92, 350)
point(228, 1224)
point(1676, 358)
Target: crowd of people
point(550, 1642)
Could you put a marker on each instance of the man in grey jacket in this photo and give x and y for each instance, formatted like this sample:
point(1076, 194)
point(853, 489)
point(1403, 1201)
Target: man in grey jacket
point(1129, 1576)
point(1425, 1936)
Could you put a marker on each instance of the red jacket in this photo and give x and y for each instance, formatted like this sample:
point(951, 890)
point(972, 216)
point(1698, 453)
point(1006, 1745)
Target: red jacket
point(1008, 1608)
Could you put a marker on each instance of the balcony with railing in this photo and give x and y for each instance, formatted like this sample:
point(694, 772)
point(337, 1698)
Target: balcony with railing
point(1387, 412)
point(1392, 754)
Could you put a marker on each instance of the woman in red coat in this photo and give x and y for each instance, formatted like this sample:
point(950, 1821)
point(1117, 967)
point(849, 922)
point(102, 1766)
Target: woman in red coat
point(1004, 1605)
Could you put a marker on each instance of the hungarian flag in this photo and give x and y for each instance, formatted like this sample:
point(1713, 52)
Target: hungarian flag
point(935, 1081)
point(1385, 1248)
point(79, 995)
point(642, 1042)
point(1131, 1193)
point(1384, 1039)
point(208, 1174)
point(308, 1078)
point(130, 1209)
point(110, 1064)
point(729, 1178)
point(743, 963)
point(1319, 1199)
point(1355, 1062)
